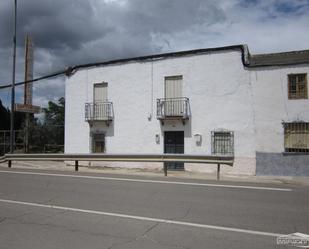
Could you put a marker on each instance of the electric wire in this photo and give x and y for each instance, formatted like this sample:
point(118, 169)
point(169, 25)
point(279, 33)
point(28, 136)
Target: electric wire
point(36, 79)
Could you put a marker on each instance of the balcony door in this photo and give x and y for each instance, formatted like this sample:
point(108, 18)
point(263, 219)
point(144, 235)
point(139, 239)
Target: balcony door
point(173, 92)
point(100, 92)
point(100, 107)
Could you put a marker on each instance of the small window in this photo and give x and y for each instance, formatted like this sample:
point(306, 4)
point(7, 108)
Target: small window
point(222, 143)
point(98, 143)
point(296, 137)
point(298, 86)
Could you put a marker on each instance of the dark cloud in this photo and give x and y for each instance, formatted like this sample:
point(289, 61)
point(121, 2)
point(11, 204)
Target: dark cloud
point(52, 23)
point(70, 32)
point(64, 27)
point(163, 16)
point(77, 31)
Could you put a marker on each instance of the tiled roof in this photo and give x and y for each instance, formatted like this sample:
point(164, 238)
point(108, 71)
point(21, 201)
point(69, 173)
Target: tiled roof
point(285, 58)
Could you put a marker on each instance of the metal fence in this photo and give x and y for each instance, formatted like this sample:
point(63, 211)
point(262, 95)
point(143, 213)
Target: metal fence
point(53, 148)
point(5, 141)
point(20, 145)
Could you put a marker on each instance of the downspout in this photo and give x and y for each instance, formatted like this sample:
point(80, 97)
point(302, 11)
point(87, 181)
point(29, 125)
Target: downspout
point(245, 55)
point(151, 93)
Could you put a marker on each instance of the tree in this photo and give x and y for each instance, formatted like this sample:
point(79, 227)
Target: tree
point(42, 131)
point(54, 121)
point(49, 129)
point(5, 121)
point(54, 114)
point(4, 117)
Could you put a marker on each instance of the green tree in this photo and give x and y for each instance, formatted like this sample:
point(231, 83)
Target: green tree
point(5, 122)
point(49, 129)
point(54, 122)
point(54, 113)
point(4, 117)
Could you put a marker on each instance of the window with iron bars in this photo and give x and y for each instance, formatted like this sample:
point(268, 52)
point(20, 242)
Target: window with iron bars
point(296, 137)
point(297, 86)
point(222, 143)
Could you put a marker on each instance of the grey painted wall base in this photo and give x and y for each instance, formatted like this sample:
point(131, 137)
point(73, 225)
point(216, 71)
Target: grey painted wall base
point(280, 164)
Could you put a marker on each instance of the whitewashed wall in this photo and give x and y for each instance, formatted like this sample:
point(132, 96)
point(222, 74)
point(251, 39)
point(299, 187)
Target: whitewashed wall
point(220, 93)
point(272, 106)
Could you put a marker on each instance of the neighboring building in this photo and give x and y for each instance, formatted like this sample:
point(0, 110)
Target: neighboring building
point(208, 101)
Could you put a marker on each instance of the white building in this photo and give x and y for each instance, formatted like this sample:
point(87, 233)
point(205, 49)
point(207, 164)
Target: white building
point(208, 101)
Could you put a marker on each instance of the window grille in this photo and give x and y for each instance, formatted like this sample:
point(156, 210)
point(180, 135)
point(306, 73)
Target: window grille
point(296, 137)
point(298, 86)
point(222, 143)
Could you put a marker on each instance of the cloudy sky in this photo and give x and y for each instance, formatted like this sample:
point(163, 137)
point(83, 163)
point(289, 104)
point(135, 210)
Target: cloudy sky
point(71, 32)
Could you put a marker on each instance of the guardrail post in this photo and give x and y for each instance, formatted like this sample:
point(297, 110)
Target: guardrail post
point(165, 169)
point(9, 163)
point(218, 171)
point(76, 165)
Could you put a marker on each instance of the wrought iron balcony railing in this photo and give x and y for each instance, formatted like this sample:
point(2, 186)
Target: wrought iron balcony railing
point(99, 111)
point(173, 108)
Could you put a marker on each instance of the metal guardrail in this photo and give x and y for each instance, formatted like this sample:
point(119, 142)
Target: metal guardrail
point(206, 159)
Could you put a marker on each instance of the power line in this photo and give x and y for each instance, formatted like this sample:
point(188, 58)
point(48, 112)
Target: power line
point(66, 72)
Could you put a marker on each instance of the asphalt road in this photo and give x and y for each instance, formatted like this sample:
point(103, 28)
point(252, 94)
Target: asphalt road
point(51, 209)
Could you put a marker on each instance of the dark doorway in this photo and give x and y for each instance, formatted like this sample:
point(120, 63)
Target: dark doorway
point(174, 144)
point(98, 143)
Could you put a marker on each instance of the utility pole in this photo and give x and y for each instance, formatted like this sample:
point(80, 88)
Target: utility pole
point(28, 87)
point(12, 136)
point(27, 106)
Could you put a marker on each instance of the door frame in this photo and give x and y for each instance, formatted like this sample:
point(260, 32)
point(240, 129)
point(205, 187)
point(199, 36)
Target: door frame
point(103, 84)
point(92, 141)
point(174, 165)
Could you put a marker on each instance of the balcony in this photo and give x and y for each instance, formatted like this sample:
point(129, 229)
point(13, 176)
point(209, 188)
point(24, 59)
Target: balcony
point(173, 108)
point(99, 111)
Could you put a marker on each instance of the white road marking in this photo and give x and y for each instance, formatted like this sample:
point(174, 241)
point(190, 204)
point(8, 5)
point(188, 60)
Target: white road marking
point(147, 181)
point(142, 218)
